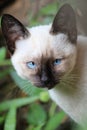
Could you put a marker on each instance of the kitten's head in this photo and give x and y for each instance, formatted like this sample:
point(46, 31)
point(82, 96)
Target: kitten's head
point(43, 54)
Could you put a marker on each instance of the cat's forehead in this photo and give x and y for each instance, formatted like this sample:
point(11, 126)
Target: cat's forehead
point(37, 43)
point(42, 43)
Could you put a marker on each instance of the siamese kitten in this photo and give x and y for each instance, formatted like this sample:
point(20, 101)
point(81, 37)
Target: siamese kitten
point(52, 56)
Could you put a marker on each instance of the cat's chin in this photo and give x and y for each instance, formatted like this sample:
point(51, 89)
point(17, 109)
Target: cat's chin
point(48, 86)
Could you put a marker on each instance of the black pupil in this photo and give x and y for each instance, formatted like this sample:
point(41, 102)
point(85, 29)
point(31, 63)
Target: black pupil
point(32, 63)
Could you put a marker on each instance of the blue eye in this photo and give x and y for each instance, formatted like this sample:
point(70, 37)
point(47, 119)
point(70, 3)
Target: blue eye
point(57, 62)
point(31, 65)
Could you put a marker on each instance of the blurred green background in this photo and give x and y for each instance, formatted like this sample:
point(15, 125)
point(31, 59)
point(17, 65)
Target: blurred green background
point(23, 106)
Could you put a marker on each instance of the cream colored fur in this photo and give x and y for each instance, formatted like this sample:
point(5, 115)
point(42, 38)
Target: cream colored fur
point(71, 93)
point(72, 98)
point(41, 42)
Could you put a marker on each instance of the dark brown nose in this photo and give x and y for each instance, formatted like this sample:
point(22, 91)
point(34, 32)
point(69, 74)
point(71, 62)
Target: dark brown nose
point(44, 79)
point(47, 77)
point(46, 82)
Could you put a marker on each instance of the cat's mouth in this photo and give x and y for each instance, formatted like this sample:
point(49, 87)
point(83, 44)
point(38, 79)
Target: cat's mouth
point(46, 85)
point(45, 82)
point(49, 86)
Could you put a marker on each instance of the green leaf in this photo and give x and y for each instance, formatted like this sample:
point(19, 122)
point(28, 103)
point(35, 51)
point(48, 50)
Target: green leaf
point(45, 15)
point(2, 53)
point(55, 121)
point(3, 61)
point(2, 118)
point(10, 122)
point(38, 127)
point(25, 85)
point(37, 115)
point(49, 9)
point(17, 102)
point(52, 109)
point(44, 96)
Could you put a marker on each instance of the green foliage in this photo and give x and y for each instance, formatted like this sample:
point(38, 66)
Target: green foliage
point(2, 53)
point(4, 73)
point(10, 122)
point(17, 103)
point(44, 96)
point(55, 121)
point(4, 62)
point(36, 115)
point(25, 85)
point(49, 9)
point(2, 118)
point(45, 15)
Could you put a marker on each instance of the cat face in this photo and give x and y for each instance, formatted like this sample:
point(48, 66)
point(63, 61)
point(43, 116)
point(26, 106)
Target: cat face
point(43, 54)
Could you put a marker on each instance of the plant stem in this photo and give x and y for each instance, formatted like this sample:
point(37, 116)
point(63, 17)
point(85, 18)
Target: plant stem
point(17, 102)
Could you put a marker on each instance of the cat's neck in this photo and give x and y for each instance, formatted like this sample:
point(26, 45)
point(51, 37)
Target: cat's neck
point(71, 94)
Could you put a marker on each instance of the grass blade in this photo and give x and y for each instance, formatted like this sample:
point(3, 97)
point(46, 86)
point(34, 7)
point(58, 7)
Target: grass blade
point(55, 121)
point(10, 122)
point(17, 103)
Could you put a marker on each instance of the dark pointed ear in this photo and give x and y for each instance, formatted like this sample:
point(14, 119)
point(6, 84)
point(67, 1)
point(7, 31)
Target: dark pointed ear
point(65, 22)
point(12, 30)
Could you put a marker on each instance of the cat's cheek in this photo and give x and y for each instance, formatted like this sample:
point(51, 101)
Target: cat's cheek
point(60, 69)
point(60, 73)
point(65, 67)
point(35, 80)
point(20, 73)
point(21, 70)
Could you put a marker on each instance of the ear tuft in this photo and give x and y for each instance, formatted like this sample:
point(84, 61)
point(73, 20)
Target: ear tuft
point(65, 22)
point(12, 30)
